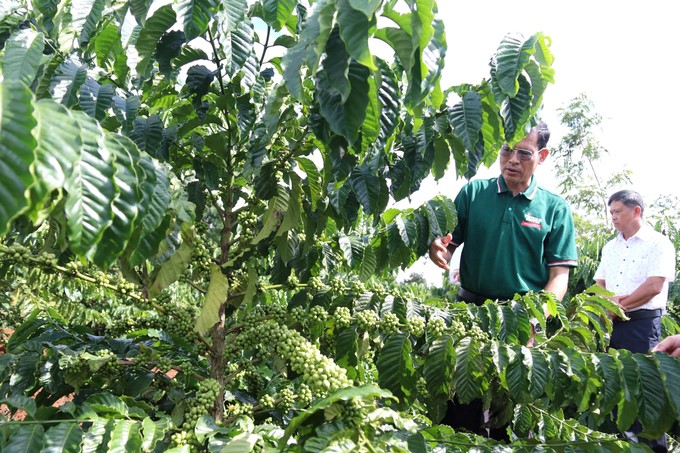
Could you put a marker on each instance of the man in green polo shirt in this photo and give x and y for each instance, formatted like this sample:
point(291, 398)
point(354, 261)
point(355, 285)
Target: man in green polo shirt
point(518, 238)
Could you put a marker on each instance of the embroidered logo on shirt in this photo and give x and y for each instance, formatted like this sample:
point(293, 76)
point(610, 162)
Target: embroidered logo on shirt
point(531, 221)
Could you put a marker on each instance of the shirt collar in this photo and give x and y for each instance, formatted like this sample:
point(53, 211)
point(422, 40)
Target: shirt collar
point(645, 233)
point(529, 194)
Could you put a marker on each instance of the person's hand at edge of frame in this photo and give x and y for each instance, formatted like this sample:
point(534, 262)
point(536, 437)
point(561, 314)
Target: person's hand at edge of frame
point(669, 345)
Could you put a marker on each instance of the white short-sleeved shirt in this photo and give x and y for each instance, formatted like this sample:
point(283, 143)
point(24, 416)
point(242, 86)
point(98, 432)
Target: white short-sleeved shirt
point(626, 264)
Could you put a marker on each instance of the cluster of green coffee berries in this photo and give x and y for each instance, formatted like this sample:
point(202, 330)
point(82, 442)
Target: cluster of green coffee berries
point(298, 315)
point(342, 317)
point(292, 282)
point(20, 253)
point(238, 280)
point(315, 284)
point(318, 314)
point(421, 387)
point(267, 402)
point(235, 408)
point(247, 222)
point(476, 333)
point(181, 321)
point(337, 285)
point(366, 319)
point(286, 399)
point(415, 325)
point(321, 373)
point(457, 329)
point(354, 412)
point(185, 438)
point(358, 287)
point(436, 327)
point(201, 403)
point(389, 323)
point(202, 256)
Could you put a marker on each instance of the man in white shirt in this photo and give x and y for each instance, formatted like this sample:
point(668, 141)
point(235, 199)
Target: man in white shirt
point(636, 266)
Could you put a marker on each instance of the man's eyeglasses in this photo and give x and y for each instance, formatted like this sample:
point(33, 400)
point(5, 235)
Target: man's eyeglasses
point(522, 154)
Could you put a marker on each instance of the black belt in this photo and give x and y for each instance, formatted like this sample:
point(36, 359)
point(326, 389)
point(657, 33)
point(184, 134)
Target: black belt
point(641, 314)
point(473, 298)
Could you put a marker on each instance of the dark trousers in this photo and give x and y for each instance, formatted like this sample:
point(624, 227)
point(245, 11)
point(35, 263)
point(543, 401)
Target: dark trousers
point(640, 334)
point(470, 417)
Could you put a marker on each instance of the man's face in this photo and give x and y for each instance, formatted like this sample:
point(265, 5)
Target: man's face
point(517, 172)
point(622, 216)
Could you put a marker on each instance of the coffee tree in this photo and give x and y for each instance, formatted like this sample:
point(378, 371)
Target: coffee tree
point(198, 245)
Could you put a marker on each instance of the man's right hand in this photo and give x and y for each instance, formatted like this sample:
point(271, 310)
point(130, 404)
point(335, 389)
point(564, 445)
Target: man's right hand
point(439, 251)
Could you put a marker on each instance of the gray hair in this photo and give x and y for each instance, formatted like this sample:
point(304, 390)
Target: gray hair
point(542, 133)
point(629, 198)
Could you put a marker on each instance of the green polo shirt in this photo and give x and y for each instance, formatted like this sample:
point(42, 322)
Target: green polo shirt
point(511, 241)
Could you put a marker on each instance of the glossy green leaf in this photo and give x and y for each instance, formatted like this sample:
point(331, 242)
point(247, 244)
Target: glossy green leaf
point(125, 437)
point(354, 30)
point(154, 432)
point(395, 367)
point(195, 16)
point(656, 413)
point(313, 179)
point(628, 408)
point(96, 99)
point(108, 46)
point(344, 394)
point(515, 112)
point(369, 263)
point(513, 54)
point(310, 46)
point(468, 377)
point(346, 349)
point(336, 66)
point(218, 291)
point(517, 375)
point(155, 221)
point(368, 7)
point(277, 12)
point(126, 205)
point(16, 151)
point(168, 48)
point(466, 119)
point(22, 57)
point(539, 373)
point(293, 213)
point(25, 439)
point(240, 53)
point(502, 354)
point(163, 18)
point(438, 374)
point(63, 438)
point(189, 55)
point(171, 270)
point(94, 437)
point(20, 402)
point(272, 217)
point(367, 189)
point(126, 111)
point(67, 81)
point(90, 190)
point(148, 134)
point(85, 14)
point(235, 14)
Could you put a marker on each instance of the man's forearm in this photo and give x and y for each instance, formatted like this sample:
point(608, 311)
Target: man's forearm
point(558, 281)
point(643, 294)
